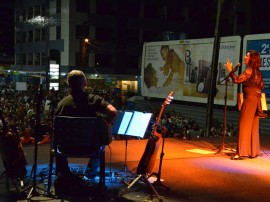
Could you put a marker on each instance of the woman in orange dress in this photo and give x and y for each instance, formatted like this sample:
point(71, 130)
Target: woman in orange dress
point(248, 144)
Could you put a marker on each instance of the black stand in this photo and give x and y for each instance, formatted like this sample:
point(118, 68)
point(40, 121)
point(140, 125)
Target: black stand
point(125, 165)
point(52, 107)
point(125, 169)
point(130, 124)
point(158, 174)
point(33, 190)
point(223, 146)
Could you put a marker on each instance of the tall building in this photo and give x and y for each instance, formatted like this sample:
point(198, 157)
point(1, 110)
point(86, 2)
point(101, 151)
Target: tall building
point(116, 30)
point(55, 31)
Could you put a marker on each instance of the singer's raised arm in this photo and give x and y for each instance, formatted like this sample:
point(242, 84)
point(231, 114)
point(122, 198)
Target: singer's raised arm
point(242, 77)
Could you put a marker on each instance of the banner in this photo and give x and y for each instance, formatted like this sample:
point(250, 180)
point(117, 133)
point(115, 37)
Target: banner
point(260, 43)
point(185, 67)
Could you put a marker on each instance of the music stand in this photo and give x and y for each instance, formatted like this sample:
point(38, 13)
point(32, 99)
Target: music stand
point(131, 124)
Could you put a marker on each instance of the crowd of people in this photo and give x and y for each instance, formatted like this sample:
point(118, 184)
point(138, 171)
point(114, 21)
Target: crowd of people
point(19, 109)
point(184, 127)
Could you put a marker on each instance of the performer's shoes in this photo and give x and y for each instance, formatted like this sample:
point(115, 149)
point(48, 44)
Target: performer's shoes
point(237, 157)
point(252, 157)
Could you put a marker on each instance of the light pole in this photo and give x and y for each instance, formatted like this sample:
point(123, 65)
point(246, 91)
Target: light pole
point(212, 89)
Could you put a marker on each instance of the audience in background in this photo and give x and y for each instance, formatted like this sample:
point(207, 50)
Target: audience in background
point(26, 138)
point(19, 109)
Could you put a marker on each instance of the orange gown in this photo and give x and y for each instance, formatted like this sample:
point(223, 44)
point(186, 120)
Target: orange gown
point(248, 139)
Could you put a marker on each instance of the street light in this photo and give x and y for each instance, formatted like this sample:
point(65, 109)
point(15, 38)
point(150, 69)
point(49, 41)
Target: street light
point(85, 45)
point(86, 40)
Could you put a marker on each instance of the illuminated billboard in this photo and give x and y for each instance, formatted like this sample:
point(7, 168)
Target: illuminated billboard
point(184, 66)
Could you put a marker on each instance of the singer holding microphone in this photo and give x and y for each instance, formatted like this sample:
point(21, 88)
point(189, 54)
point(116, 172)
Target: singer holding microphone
point(248, 145)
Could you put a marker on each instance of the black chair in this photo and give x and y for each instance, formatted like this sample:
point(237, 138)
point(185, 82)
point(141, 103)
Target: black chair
point(80, 137)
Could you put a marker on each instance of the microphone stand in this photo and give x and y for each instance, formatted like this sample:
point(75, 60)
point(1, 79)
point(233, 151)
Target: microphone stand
point(223, 146)
point(33, 191)
point(52, 107)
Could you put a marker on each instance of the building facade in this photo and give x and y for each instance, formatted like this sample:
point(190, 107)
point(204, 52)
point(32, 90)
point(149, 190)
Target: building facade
point(54, 31)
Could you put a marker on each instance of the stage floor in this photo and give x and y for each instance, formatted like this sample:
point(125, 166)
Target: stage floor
point(193, 170)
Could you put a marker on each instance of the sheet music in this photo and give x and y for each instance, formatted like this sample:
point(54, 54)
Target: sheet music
point(138, 124)
point(131, 123)
point(125, 122)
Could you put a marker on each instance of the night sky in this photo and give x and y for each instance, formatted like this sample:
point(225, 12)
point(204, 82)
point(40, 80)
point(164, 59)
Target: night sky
point(7, 28)
point(259, 20)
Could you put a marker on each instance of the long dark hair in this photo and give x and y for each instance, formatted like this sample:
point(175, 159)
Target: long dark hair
point(255, 59)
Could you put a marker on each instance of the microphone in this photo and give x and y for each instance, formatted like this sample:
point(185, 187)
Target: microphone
point(231, 72)
point(236, 67)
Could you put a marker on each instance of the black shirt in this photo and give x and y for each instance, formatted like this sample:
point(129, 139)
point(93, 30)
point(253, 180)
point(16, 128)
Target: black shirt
point(81, 104)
